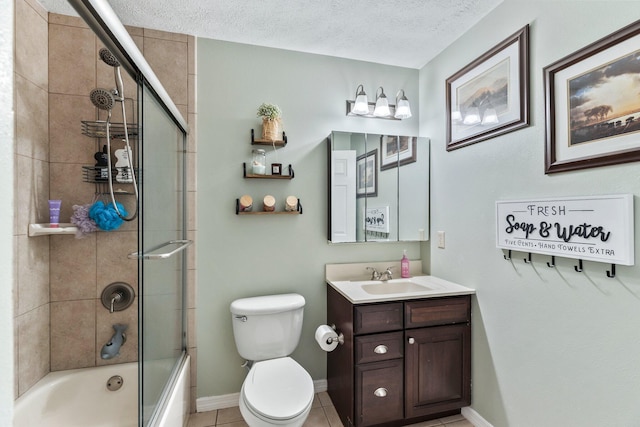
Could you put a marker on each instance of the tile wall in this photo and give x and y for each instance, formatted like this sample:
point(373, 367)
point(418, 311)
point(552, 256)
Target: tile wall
point(60, 321)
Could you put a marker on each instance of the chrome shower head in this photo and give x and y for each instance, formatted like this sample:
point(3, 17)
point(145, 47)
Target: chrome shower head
point(108, 58)
point(102, 99)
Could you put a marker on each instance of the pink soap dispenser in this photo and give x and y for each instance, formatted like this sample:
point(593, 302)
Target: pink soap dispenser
point(404, 265)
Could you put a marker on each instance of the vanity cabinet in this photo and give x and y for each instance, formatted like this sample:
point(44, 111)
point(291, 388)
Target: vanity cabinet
point(402, 362)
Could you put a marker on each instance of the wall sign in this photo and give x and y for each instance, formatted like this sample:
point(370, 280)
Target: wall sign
point(594, 228)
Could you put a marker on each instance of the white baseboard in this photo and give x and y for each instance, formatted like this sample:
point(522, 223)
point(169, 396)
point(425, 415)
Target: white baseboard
point(211, 403)
point(474, 417)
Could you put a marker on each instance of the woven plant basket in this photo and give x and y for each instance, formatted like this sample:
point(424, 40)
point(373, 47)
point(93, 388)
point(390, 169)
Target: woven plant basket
point(270, 129)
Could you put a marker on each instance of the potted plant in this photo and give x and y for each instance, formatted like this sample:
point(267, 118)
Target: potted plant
point(270, 114)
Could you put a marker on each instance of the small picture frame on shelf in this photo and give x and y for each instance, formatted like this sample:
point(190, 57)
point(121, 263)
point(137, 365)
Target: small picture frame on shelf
point(276, 168)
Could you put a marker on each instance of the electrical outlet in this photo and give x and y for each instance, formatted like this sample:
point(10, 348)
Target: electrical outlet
point(441, 239)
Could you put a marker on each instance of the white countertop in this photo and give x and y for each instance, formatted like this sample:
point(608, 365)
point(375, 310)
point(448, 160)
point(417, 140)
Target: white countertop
point(434, 287)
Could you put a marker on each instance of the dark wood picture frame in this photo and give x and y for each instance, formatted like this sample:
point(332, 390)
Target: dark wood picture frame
point(501, 77)
point(403, 151)
point(367, 174)
point(579, 135)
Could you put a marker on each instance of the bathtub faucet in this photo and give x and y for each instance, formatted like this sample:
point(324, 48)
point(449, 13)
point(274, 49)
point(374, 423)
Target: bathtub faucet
point(112, 348)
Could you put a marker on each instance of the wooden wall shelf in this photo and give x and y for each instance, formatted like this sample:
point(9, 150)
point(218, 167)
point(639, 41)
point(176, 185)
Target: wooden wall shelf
point(277, 143)
point(268, 176)
point(298, 211)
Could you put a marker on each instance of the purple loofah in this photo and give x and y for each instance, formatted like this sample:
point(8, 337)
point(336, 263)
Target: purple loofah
point(106, 216)
point(81, 219)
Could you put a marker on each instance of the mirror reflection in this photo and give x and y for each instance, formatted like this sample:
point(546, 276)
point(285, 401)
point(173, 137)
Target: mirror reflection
point(378, 187)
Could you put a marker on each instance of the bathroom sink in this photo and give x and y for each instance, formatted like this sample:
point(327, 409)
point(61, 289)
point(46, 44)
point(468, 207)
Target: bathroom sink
point(400, 286)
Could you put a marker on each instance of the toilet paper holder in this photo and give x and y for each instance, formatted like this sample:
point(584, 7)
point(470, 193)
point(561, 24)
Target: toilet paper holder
point(339, 338)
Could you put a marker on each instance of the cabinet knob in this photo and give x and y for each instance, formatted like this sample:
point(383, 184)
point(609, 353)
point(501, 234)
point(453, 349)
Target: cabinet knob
point(380, 349)
point(412, 341)
point(380, 392)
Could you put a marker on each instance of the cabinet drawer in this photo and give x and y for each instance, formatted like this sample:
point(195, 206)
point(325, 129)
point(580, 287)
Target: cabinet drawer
point(379, 392)
point(440, 311)
point(378, 347)
point(377, 318)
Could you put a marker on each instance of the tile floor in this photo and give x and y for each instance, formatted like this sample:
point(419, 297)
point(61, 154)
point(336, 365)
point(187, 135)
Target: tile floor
point(322, 414)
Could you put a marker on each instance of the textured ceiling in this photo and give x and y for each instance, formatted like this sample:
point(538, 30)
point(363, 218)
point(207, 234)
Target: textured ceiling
point(406, 33)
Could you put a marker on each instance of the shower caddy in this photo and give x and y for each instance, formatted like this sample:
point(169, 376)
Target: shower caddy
point(97, 129)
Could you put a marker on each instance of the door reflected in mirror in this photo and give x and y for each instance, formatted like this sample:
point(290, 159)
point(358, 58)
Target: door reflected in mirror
point(378, 187)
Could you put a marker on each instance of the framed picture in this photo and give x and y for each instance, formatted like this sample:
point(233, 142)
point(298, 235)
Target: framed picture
point(367, 174)
point(490, 96)
point(377, 219)
point(592, 105)
point(397, 151)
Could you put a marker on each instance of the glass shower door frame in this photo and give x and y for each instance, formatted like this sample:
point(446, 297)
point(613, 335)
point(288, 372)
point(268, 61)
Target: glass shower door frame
point(156, 251)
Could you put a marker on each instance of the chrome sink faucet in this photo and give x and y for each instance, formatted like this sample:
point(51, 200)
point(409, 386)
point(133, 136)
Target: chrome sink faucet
point(376, 275)
point(387, 275)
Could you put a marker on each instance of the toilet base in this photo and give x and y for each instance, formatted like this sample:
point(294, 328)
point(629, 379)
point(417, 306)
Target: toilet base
point(254, 420)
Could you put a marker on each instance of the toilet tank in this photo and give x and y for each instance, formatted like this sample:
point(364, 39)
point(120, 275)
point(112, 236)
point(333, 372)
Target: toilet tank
point(268, 326)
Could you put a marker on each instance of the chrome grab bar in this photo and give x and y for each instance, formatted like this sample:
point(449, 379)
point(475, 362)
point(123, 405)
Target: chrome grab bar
point(183, 245)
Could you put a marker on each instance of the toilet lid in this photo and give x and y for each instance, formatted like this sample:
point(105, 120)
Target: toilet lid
point(278, 389)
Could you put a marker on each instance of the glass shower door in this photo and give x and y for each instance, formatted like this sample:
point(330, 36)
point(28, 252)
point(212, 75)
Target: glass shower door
point(162, 243)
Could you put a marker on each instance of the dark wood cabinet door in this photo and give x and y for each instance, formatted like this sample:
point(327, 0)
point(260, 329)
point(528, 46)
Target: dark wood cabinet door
point(438, 369)
point(379, 392)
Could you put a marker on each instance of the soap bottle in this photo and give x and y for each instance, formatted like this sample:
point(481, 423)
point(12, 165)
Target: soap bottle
point(404, 265)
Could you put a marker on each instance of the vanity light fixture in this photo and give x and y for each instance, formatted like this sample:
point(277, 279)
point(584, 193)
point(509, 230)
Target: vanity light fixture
point(472, 117)
point(403, 109)
point(382, 104)
point(361, 104)
point(381, 109)
point(490, 117)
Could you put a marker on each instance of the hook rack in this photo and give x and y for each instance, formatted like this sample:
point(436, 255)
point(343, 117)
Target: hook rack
point(611, 273)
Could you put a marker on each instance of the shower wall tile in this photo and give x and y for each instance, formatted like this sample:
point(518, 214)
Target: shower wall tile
point(67, 185)
point(73, 334)
point(30, 44)
point(72, 60)
point(192, 137)
point(168, 59)
point(192, 184)
point(38, 8)
point(192, 45)
point(33, 273)
point(191, 210)
point(67, 20)
point(33, 347)
point(32, 119)
point(67, 143)
point(32, 193)
point(73, 267)
point(104, 332)
point(113, 265)
point(192, 84)
point(134, 31)
point(165, 35)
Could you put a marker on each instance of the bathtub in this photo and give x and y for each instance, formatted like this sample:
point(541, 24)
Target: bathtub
point(80, 398)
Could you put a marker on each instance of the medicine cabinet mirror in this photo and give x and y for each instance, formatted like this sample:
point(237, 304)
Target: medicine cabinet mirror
point(378, 187)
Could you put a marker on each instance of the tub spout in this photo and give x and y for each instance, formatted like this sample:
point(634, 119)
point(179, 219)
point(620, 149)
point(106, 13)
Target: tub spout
point(112, 348)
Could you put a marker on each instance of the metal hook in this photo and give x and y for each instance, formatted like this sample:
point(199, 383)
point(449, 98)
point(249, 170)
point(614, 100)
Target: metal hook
point(552, 263)
point(612, 273)
point(527, 260)
point(578, 267)
point(508, 257)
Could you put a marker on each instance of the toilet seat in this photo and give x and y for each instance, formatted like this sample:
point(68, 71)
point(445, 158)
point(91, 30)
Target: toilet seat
point(278, 389)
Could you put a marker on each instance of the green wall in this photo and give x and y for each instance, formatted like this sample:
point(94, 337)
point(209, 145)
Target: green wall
point(551, 347)
point(240, 256)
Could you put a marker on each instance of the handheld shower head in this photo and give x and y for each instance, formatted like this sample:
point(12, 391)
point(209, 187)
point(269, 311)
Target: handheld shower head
point(108, 58)
point(102, 99)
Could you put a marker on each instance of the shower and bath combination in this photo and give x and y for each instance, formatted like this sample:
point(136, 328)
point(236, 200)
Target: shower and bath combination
point(105, 100)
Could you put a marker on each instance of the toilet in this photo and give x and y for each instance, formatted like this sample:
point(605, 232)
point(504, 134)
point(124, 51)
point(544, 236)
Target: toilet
point(277, 390)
